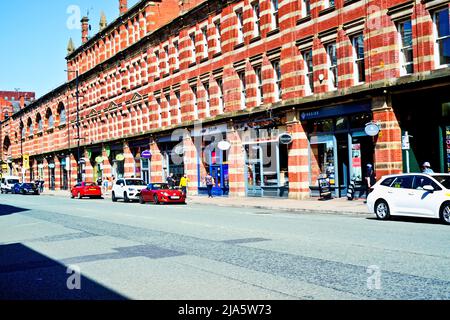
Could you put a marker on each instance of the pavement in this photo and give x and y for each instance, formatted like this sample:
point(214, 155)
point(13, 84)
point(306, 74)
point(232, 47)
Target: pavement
point(333, 206)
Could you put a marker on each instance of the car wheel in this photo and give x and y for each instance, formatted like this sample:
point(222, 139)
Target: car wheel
point(445, 213)
point(23, 192)
point(113, 197)
point(125, 197)
point(79, 195)
point(155, 199)
point(382, 210)
point(72, 196)
point(141, 199)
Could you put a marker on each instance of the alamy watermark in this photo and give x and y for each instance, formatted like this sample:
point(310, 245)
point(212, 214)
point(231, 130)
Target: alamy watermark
point(74, 279)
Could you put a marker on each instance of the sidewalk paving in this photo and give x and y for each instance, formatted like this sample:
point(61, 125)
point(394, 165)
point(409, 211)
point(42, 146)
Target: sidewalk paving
point(314, 205)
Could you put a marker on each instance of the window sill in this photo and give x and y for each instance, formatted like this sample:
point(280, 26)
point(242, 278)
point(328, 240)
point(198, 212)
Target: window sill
point(192, 64)
point(327, 10)
point(239, 45)
point(273, 32)
point(61, 126)
point(204, 59)
point(349, 2)
point(50, 130)
point(255, 39)
point(217, 54)
point(176, 70)
point(304, 19)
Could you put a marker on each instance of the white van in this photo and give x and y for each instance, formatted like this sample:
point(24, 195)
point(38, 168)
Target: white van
point(7, 183)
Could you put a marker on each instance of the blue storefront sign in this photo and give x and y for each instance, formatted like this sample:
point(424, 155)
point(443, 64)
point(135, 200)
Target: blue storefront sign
point(338, 110)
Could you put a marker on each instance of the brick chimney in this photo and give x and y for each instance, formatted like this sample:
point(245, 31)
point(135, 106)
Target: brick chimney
point(84, 29)
point(123, 6)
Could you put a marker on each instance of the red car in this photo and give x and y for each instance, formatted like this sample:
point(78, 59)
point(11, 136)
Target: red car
point(159, 193)
point(86, 189)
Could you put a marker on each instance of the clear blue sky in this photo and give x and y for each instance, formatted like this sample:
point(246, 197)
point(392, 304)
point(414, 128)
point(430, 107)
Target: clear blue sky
point(34, 37)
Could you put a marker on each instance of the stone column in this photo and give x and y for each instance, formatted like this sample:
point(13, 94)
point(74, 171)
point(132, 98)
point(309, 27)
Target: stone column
point(236, 162)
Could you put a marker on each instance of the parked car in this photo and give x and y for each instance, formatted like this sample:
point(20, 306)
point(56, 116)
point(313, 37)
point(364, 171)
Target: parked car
point(161, 193)
point(127, 189)
point(86, 189)
point(417, 195)
point(7, 184)
point(26, 188)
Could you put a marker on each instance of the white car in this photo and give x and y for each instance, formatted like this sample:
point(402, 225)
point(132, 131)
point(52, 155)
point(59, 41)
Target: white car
point(416, 195)
point(7, 183)
point(127, 189)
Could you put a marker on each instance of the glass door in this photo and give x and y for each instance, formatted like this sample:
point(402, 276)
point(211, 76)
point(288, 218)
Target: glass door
point(323, 162)
point(253, 170)
point(145, 170)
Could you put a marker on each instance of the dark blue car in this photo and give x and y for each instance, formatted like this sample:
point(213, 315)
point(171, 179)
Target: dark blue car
point(25, 188)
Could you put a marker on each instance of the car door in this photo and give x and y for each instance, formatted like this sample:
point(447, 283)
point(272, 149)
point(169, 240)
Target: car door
point(424, 202)
point(120, 188)
point(399, 195)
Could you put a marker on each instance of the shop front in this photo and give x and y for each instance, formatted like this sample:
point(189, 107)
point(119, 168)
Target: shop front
point(96, 159)
point(212, 158)
point(64, 172)
point(51, 174)
point(339, 146)
point(172, 159)
point(117, 160)
point(142, 157)
point(266, 157)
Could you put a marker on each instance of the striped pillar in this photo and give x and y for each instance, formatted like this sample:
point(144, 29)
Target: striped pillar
point(57, 173)
point(129, 161)
point(155, 163)
point(88, 170)
point(190, 162)
point(298, 162)
point(73, 170)
point(46, 174)
point(236, 163)
point(107, 171)
point(388, 145)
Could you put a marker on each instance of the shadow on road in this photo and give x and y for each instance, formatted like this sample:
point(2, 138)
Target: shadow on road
point(7, 210)
point(28, 275)
point(410, 220)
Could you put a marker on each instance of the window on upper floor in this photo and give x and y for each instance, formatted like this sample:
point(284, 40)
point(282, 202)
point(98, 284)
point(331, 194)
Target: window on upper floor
point(332, 65)
point(442, 36)
point(277, 78)
point(159, 112)
point(220, 93)
point(217, 27)
point(24, 130)
point(40, 123)
point(406, 55)
point(205, 42)
point(158, 70)
point(240, 26)
point(256, 17)
point(309, 71)
point(166, 59)
point(195, 101)
point(274, 11)
point(328, 4)
point(243, 88)
point(30, 127)
point(62, 116)
point(177, 55)
point(207, 100)
point(259, 83)
point(169, 114)
point(6, 115)
point(358, 58)
point(193, 47)
point(305, 8)
point(178, 98)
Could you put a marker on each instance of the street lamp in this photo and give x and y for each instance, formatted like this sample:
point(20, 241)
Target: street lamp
point(79, 176)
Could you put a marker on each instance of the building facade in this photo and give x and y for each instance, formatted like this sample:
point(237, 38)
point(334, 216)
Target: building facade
point(265, 95)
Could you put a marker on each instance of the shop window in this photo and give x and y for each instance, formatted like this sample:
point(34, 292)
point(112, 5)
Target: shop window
point(446, 109)
point(323, 125)
point(406, 47)
point(442, 36)
point(359, 121)
point(341, 123)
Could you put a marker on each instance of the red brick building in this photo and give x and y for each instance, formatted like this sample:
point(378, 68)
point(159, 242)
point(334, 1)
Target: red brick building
point(250, 72)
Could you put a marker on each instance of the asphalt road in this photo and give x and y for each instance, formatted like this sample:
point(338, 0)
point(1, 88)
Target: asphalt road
point(196, 252)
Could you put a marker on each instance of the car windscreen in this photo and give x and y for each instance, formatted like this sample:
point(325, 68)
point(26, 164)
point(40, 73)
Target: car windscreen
point(444, 180)
point(28, 185)
point(160, 186)
point(135, 183)
point(90, 184)
point(13, 181)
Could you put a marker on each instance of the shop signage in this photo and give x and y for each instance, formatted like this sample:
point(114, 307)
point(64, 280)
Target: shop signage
point(146, 154)
point(372, 129)
point(214, 130)
point(447, 143)
point(179, 150)
point(26, 161)
point(40, 166)
point(120, 157)
point(4, 167)
point(82, 161)
point(51, 166)
point(99, 160)
point(224, 145)
point(338, 110)
point(285, 138)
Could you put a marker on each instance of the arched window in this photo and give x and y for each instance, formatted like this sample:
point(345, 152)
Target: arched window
point(39, 122)
point(30, 127)
point(23, 130)
point(62, 118)
point(50, 119)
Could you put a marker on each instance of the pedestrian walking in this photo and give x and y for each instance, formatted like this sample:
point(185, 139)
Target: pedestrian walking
point(209, 181)
point(105, 185)
point(183, 184)
point(370, 180)
point(171, 181)
point(426, 168)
